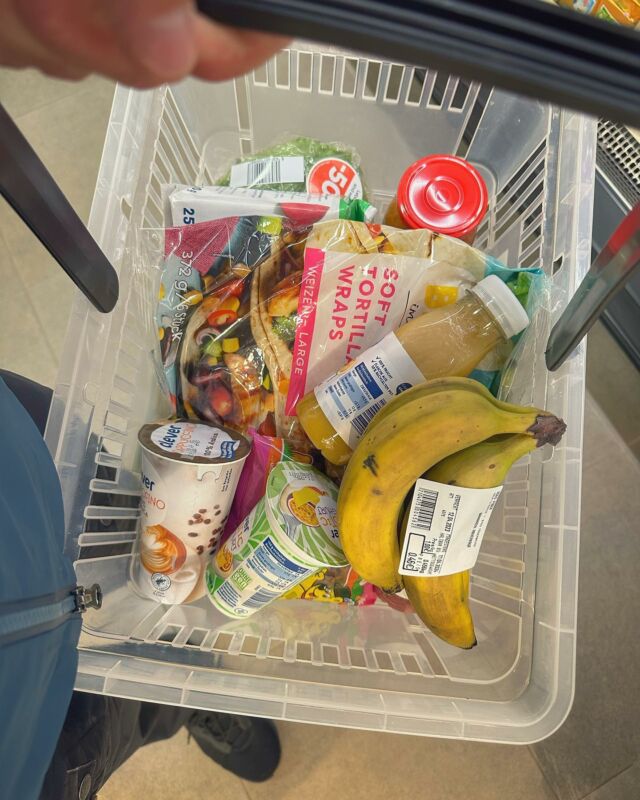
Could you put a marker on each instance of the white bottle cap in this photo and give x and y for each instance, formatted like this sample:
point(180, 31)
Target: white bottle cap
point(502, 304)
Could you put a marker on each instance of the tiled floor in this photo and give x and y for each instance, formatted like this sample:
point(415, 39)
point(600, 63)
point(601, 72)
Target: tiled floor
point(612, 376)
point(65, 123)
point(594, 755)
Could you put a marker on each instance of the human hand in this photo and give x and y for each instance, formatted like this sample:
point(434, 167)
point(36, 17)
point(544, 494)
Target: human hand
point(139, 42)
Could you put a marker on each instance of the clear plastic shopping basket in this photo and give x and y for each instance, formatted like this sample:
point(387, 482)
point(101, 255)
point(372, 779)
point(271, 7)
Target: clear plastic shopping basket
point(370, 668)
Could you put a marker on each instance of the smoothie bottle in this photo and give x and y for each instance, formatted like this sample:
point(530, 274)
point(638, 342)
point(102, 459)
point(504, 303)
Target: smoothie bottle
point(448, 341)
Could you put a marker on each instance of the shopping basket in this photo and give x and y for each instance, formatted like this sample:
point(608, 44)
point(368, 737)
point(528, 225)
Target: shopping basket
point(371, 668)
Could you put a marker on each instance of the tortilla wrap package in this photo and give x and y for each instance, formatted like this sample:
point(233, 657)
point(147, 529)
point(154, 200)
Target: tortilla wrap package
point(213, 260)
point(254, 312)
point(188, 205)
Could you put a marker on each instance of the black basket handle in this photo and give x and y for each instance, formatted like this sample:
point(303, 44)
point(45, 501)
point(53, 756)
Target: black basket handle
point(28, 187)
point(525, 46)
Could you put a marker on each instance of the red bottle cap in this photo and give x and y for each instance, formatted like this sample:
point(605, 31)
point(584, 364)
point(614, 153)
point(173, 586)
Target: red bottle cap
point(443, 193)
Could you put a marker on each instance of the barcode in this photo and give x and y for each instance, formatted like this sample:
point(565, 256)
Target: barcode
point(259, 599)
point(264, 171)
point(424, 507)
point(361, 422)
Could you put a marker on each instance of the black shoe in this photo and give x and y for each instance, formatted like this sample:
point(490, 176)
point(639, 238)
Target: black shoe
point(247, 746)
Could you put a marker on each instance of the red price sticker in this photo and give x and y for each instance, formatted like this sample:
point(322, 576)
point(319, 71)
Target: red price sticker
point(336, 177)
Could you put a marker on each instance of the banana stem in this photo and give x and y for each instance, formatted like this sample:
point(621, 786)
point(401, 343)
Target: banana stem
point(547, 429)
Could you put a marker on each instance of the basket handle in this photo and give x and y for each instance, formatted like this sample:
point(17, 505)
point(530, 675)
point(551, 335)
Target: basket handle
point(28, 187)
point(609, 273)
point(526, 46)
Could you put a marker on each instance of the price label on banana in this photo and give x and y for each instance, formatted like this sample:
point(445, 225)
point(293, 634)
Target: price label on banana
point(445, 528)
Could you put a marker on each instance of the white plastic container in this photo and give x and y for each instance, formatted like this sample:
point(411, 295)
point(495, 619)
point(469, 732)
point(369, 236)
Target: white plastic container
point(314, 662)
point(189, 474)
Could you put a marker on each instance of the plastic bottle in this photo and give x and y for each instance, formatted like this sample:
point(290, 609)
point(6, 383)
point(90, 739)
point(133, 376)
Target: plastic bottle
point(442, 193)
point(448, 341)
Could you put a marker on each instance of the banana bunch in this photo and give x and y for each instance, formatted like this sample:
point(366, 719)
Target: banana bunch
point(442, 419)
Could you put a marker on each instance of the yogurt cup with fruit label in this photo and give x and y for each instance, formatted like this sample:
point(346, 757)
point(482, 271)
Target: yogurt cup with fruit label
point(190, 471)
point(290, 534)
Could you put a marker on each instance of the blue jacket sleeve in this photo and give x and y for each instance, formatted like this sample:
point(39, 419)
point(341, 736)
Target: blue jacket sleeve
point(39, 627)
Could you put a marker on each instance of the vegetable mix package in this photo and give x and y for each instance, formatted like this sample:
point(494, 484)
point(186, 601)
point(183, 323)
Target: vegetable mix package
point(255, 311)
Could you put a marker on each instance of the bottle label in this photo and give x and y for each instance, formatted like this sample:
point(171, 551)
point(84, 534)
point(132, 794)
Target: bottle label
point(445, 529)
point(351, 398)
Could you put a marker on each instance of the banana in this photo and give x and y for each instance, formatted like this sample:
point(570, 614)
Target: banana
point(341, 452)
point(336, 470)
point(418, 431)
point(442, 602)
point(484, 465)
point(437, 385)
point(444, 608)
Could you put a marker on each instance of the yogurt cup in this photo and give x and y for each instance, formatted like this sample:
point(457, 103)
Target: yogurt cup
point(190, 471)
point(290, 534)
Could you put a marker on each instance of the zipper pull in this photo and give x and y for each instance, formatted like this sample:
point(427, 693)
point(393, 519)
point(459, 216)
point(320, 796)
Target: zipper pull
point(91, 597)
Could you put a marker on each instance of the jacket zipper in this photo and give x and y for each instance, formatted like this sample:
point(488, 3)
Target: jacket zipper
point(30, 617)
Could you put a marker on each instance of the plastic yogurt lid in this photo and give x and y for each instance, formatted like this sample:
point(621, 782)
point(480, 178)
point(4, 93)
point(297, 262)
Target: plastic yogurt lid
point(502, 304)
point(302, 504)
point(194, 442)
point(443, 193)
